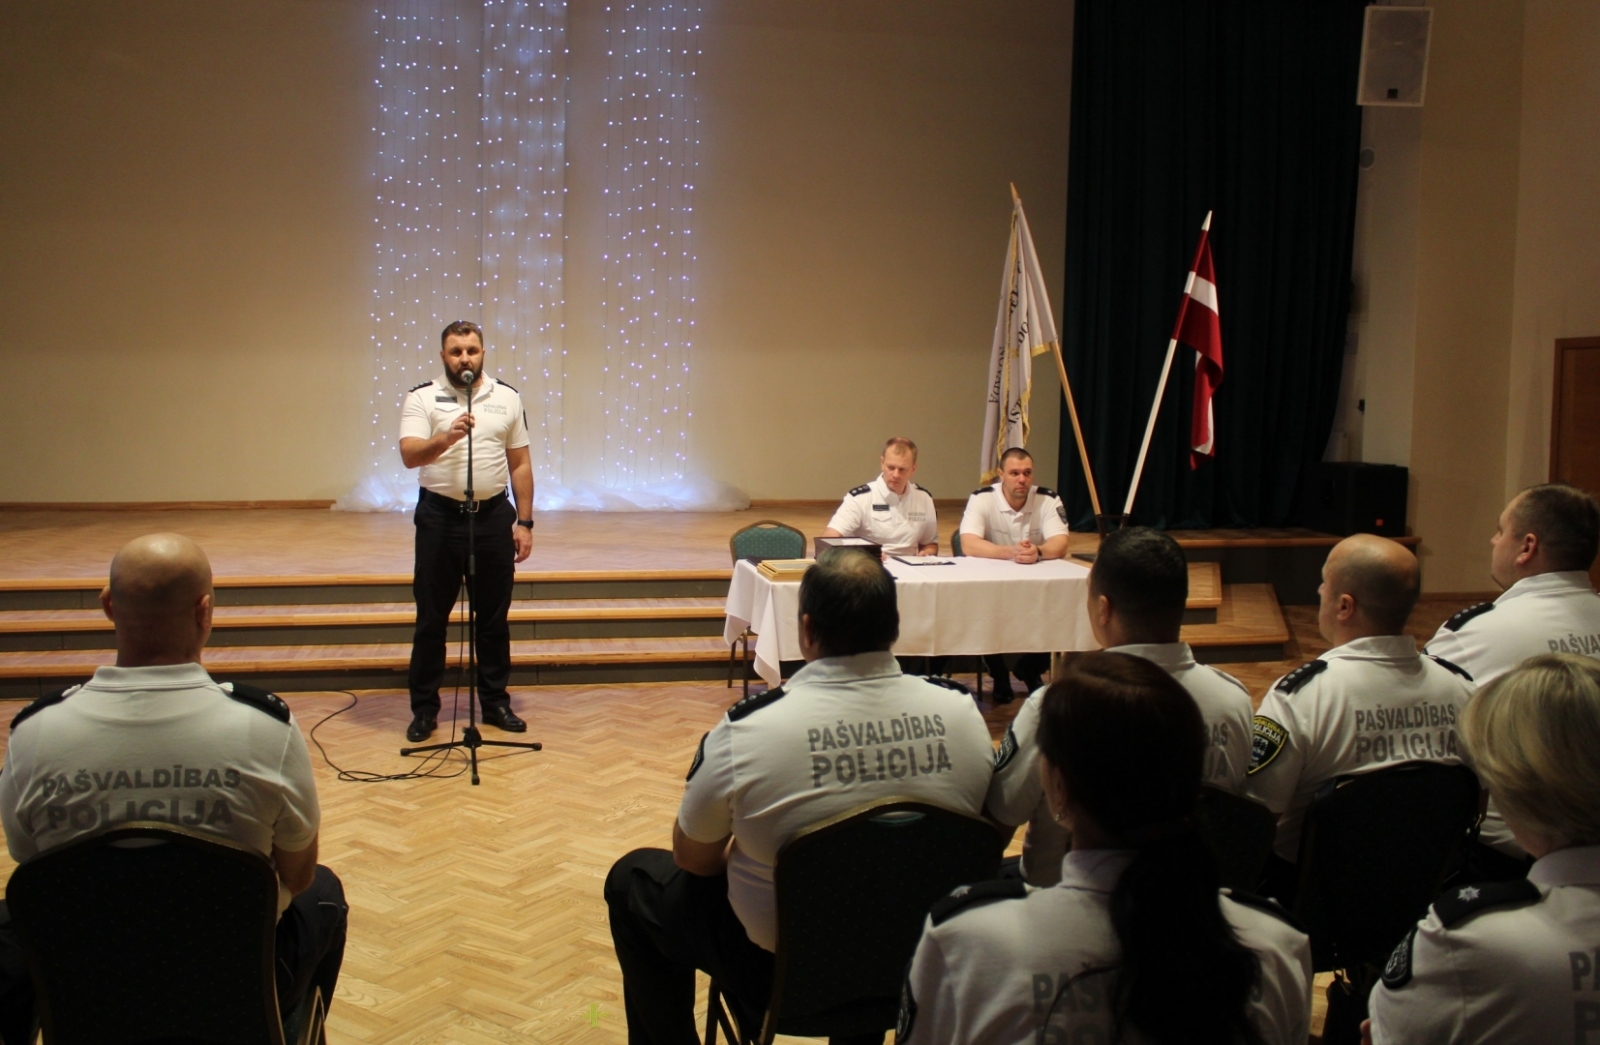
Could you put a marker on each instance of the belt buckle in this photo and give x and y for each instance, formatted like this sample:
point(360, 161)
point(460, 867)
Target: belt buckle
point(470, 506)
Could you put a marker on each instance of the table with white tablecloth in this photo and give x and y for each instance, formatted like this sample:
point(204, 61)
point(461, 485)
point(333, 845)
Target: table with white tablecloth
point(972, 606)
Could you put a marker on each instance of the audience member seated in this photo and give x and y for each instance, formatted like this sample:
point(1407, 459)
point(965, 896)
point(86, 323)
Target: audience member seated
point(891, 511)
point(1543, 547)
point(847, 729)
point(1136, 943)
point(1371, 702)
point(1138, 588)
point(1015, 520)
point(1515, 961)
point(154, 738)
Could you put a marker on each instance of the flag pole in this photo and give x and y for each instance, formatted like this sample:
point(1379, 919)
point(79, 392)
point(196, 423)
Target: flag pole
point(1166, 368)
point(1077, 429)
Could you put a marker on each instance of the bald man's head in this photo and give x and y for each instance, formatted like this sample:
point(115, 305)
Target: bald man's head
point(159, 597)
point(1380, 575)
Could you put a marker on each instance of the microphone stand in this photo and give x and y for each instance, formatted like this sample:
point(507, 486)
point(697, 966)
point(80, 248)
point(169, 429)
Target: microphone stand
point(471, 739)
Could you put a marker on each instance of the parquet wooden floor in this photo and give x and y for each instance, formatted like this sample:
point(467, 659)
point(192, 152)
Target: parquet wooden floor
point(476, 913)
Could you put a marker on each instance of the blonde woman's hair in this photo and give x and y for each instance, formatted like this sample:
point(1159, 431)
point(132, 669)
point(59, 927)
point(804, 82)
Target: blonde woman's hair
point(1534, 738)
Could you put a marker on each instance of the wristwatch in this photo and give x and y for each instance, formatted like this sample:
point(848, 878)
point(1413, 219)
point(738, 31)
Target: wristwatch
point(525, 522)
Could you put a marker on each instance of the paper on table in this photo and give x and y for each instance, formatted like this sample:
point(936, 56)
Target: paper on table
point(923, 560)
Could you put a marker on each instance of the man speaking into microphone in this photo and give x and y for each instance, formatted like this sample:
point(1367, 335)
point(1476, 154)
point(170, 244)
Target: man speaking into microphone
point(436, 421)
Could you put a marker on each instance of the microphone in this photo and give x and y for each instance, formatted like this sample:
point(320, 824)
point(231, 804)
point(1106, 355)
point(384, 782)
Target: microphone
point(467, 377)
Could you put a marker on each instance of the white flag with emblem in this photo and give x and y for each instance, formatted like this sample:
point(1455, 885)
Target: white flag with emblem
point(1024, 328)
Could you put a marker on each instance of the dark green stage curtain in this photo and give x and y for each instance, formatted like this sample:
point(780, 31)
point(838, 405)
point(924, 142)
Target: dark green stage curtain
point(1247, 108)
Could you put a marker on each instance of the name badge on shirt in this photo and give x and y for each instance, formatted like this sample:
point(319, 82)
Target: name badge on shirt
point(880, 507)
point(444, 399)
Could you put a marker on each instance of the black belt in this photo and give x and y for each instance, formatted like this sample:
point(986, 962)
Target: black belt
point(460, 506)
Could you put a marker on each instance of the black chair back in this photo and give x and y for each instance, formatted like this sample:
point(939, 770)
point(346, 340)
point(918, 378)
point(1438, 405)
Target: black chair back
point(1373, 853)
point(170, 937)
point(1239, 832)
point(852, 895)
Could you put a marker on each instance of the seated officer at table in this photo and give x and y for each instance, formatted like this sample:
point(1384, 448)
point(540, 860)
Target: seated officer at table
point(1015, 520)
point(842, 732)
point(891, 511)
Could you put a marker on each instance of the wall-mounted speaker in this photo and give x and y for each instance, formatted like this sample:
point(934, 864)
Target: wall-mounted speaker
point(1394, 56)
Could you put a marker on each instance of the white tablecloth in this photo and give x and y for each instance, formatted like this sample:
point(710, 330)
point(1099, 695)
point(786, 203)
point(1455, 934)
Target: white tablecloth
point(974, 606)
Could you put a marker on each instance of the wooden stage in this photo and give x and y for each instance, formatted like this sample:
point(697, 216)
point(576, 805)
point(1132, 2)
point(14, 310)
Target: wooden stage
point(476, 913)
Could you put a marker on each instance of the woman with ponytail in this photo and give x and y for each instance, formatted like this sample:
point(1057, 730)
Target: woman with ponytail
point(1137, 943)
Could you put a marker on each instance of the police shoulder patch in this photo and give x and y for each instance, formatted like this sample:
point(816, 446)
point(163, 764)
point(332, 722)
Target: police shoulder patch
point(699, 758)
point(1267, 904)
point(1045, 491)
point(754, 702)
point(257, 698)
point(1457, 668)
point(969, 896)
point(46, 701)
point(1397, 970)
point(1455, 622)
point(939, 680)
point(1006, 751)
point(1266, 740)
point(1301, 675)
point(1462, 902)
point(415, 388)
point(908, 1010)
point(858, 491)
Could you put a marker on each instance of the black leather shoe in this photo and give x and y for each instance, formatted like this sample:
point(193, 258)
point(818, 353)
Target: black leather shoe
point(1030, 683)
point(502, 716)
point(421, 728)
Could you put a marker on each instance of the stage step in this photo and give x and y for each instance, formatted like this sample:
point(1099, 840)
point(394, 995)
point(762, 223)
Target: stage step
point(1249, 626)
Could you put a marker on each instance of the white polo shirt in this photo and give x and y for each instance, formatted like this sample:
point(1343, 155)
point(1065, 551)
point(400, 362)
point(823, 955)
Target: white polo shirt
point(159, 743)
point(1545, 613)
point(433, 406)
point(900, 523)
point(842, 732)
point(990, 516)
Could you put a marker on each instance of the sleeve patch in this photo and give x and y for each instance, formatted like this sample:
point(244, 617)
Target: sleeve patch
point(908, 1011)
point(699, 758)
point(754, 702)
point(46, 701)
point(1455, 622)
point(1061, 511)
point(1007, 750)
point(1397, 970)
point(947, 683)
point(965, 896)
point(1301, 675)
point(1267, 739)
point(1461, 903)
point(1458, 669)
point(858, 491)
point(258, 698)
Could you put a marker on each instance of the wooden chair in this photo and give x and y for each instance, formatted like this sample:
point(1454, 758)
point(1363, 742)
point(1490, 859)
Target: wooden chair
point(767, 539)
point(852, 893)
point(150, 932)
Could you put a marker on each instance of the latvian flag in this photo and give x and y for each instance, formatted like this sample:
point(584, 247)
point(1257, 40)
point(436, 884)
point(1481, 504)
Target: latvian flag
point(1199, 328)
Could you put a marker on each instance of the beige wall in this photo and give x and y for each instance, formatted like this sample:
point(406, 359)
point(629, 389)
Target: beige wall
point(185, 196)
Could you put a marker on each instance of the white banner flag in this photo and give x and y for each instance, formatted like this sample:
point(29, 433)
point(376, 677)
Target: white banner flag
point(1024, 328)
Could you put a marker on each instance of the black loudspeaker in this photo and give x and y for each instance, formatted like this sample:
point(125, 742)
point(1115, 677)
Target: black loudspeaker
point(1346, 497)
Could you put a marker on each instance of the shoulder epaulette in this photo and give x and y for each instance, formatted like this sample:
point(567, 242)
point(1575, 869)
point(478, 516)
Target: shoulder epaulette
point(257, 698)
point(754, 702)
point(858, 491)
point(500, 382)
point(1459, 904)
point(968, 896)
point(983, 489)
point(413, 388)
point(1045, 491)
point(924, 489)
point(1267, 904)
point(1457, 668)
point(939, 680)
point(1454, 623)
point(1231, 679)
point(46, 701)
point(1301, 675)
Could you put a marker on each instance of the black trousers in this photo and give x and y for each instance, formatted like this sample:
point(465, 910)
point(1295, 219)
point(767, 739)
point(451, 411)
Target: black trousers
point(309, 950)
point(441, 563)
point(1028, 665)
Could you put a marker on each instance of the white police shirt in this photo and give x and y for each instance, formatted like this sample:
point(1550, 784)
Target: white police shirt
point(432, 407)
point(1016, 794)
point(1502, 962)
point(990, 516)
point(997, 962)
point(899, 523)
point(1545, 613)
point(162, 743)
point(1370, 704)
point(842, 732)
